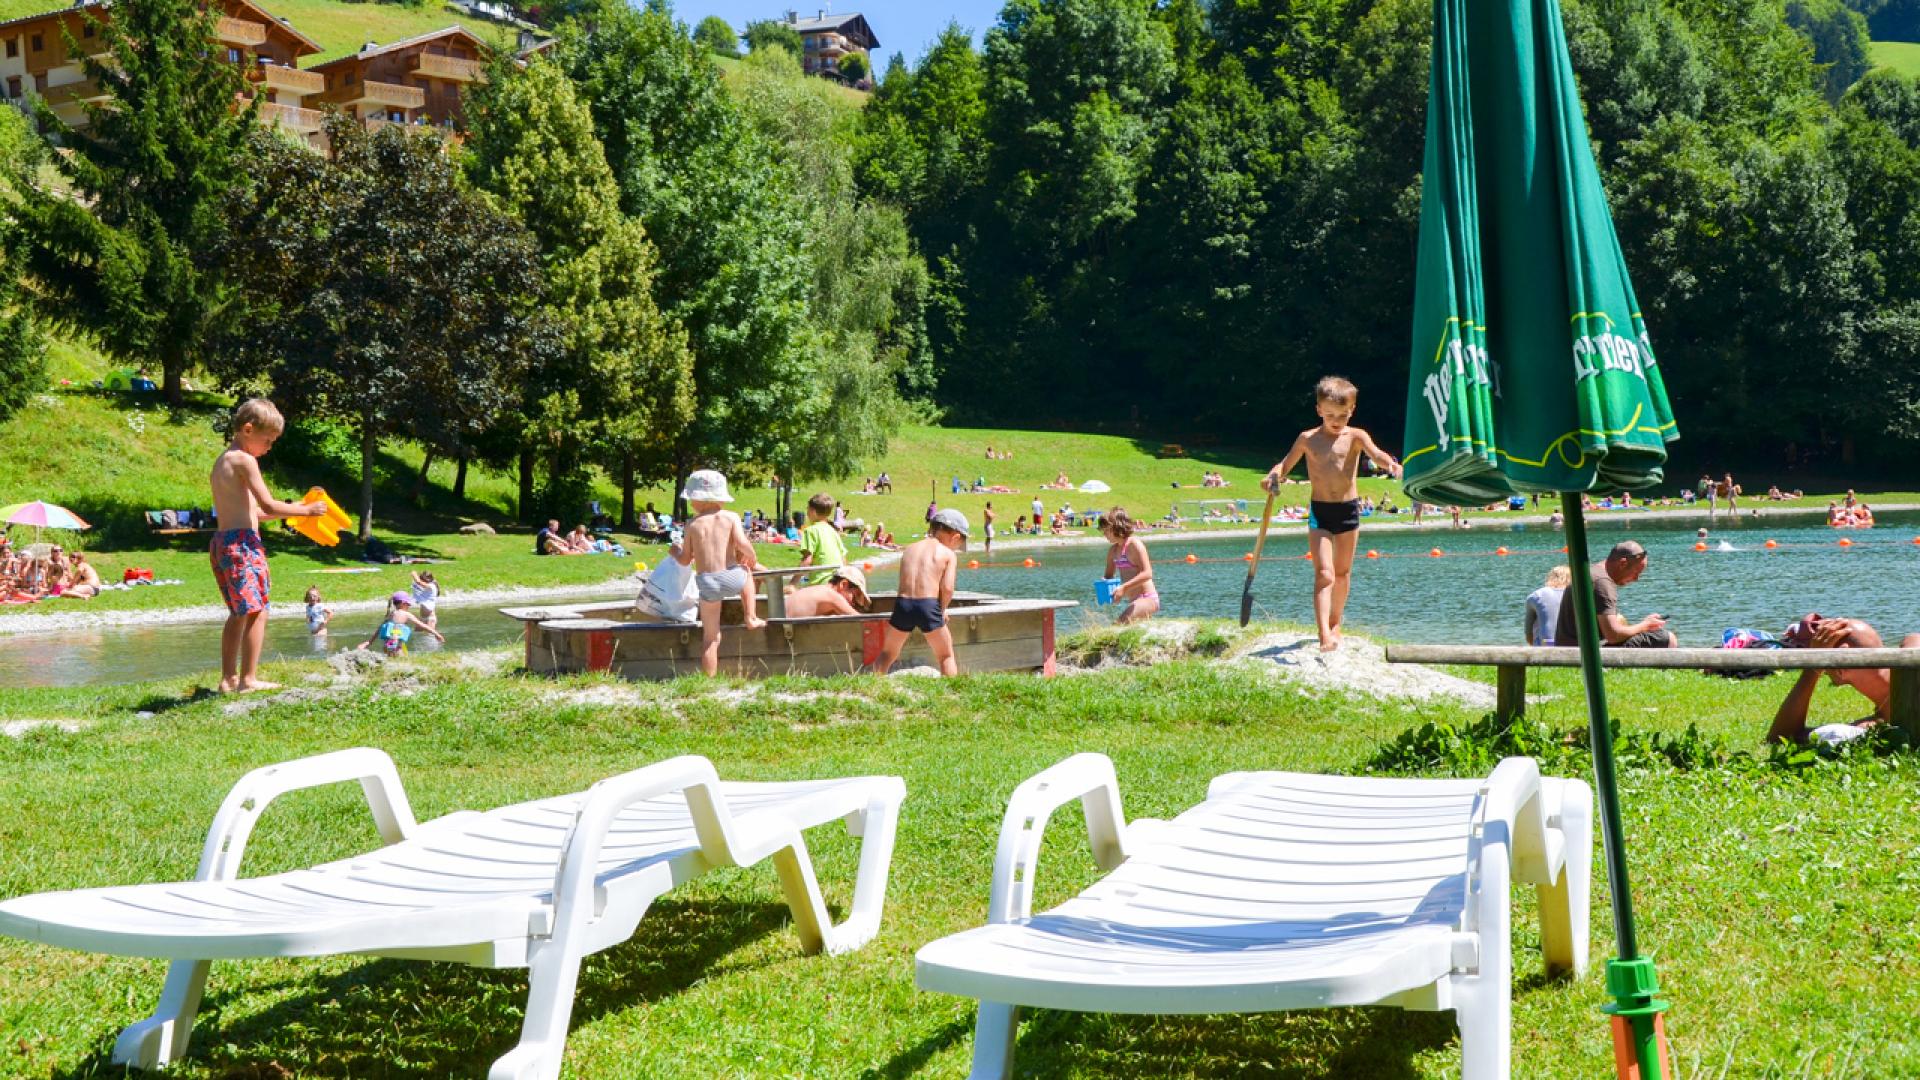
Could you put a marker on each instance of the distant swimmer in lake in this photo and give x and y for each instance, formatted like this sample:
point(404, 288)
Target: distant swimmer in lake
point(1875, 684)
point(1333, 452)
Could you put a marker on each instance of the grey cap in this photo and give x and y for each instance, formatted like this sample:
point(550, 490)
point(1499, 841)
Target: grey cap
point(953, 519)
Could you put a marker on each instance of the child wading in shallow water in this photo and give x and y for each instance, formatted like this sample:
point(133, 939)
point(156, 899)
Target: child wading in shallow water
point(241, 502)
point(1127, 560)
point(318, 614)
point(1333, 452)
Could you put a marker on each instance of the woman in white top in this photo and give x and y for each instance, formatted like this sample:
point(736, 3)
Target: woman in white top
point(1543, 606)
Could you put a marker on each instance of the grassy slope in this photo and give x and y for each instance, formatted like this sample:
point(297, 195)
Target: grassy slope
point(1779, 902)
point(1901, 56)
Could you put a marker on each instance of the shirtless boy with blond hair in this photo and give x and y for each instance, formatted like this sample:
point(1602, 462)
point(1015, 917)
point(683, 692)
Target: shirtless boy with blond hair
point(1333, 452)
point(927, 571)
point(723, 561)
point(241, 502)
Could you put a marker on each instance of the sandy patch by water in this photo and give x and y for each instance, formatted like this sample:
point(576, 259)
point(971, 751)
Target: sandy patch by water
point(77, 618)
point(1359, 666)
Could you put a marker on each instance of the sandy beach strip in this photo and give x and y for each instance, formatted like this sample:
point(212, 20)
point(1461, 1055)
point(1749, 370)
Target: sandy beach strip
point(79, 618)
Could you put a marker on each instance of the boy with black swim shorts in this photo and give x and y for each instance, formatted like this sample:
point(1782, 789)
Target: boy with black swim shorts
point(927, 570)
point(241, 502)
point(1333, 452)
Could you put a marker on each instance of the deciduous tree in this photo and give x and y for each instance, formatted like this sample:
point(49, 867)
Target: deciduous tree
point(383, 291)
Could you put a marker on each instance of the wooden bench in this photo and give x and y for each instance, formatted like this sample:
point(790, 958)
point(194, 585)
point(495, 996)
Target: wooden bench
point(1510, 664)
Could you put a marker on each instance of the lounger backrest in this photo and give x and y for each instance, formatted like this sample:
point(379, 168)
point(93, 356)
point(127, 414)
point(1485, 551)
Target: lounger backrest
point(1261, 841)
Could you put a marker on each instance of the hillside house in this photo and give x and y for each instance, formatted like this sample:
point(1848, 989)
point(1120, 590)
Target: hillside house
point(828, 39)
point(35, 62)
point(417, 81)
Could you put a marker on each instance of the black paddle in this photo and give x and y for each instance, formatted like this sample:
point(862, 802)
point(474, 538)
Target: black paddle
point(1246, 594)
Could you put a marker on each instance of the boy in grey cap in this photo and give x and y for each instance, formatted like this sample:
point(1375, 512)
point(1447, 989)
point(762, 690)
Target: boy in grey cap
point(927, 571)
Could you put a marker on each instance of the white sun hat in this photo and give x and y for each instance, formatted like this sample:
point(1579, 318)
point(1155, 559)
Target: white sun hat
point(706, 485)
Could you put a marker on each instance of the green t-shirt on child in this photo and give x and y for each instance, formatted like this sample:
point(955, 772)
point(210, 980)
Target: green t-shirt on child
point(822, 541)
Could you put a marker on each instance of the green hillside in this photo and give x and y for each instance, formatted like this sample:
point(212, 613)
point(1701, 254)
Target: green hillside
point(1901, 56)
point(340, 27)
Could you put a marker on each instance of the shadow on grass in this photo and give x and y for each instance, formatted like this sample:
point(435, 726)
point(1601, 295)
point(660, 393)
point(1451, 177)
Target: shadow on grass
point(406, 1019)
point(1379, 1044)
point(160, 703)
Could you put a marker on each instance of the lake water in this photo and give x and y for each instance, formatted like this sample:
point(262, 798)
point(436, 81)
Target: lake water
point(1470, 594)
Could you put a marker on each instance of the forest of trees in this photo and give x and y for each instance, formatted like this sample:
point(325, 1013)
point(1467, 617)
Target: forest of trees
point(1171, 216)
point(1163, 217)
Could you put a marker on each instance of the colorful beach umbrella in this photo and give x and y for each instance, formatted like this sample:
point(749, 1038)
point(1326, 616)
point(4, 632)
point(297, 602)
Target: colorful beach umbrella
point(1532, 370)
point(43, 515)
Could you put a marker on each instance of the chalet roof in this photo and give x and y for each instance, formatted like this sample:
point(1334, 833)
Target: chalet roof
point(266, 16)
point(853, 24)
point(273, 20)
point(372, 50)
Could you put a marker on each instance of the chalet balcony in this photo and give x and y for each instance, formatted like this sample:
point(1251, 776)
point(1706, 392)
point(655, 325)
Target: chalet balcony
point(447, 67)
point(375, 123)
point(231, 31)
point(292, 117)
point(71, 93)
point(287, 80)
point(386, 95)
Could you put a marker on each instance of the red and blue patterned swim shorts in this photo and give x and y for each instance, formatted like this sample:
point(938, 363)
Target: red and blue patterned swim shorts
point(240, 566)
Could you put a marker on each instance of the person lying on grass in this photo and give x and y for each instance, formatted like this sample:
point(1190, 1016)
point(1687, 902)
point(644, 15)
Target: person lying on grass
point(845, 593)
point(1816, 631)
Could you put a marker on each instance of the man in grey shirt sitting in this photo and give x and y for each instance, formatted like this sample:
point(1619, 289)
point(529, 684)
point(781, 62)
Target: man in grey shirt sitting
point(1623, 566)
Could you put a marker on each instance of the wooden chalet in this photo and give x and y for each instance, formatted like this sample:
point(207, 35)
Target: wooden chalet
point(35, 61)
point(417, 81)
point(828, 39)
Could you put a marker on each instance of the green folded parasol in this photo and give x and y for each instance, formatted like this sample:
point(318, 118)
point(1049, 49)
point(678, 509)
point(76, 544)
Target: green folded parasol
point(1531, 367)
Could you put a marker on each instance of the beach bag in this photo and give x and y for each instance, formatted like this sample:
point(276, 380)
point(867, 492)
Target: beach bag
point(669, 592)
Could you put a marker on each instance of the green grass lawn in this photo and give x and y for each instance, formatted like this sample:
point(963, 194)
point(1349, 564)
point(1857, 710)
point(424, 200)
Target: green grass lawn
point(1778, 899)
point(1901, 56)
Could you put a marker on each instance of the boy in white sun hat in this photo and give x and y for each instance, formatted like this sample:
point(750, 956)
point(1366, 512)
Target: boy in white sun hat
point(723, 561)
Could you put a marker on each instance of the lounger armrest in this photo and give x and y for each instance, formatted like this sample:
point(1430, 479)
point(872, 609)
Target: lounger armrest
point(1086, 777)
point(227, 839)
point(574, 898)
point(1514, 795)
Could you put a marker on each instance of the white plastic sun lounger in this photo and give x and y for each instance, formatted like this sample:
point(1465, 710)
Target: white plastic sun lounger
point(1280, 891)
point(537, 885)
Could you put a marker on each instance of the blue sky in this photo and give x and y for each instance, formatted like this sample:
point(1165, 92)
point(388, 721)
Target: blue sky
point(904, 26)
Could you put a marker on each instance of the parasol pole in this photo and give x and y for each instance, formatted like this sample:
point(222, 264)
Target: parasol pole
point(1639, 1035)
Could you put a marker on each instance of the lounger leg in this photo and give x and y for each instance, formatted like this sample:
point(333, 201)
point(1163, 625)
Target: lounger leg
point(875, 826)
point(1486, 1030)
point(161, 1039)
point(1564, 906)
point(554, 974)
point(993, 1034)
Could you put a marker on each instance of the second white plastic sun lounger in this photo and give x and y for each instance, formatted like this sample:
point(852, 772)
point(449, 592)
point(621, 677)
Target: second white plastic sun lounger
point(1280, 891)
point(537, 885)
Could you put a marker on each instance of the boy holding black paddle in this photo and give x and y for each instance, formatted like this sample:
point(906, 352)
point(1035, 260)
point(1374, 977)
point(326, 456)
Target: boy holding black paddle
point(1333, 451)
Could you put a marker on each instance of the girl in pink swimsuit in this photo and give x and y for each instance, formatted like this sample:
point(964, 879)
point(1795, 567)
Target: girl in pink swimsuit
point(1127, 560)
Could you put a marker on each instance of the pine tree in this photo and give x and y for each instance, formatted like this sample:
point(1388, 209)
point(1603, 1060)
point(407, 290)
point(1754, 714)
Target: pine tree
point(624, 383)
point(119, 256)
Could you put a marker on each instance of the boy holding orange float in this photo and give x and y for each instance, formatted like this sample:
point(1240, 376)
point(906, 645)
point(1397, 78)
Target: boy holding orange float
point(1333, 452)
point(241, 501)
